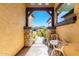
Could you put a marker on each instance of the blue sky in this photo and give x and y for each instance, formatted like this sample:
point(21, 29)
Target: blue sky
point(40, 19)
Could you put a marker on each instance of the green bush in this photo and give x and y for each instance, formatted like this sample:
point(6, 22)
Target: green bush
point(34, 35)
point(40, 32)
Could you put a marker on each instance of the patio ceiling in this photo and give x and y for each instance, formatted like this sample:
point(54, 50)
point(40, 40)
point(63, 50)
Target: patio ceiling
point(39, 4)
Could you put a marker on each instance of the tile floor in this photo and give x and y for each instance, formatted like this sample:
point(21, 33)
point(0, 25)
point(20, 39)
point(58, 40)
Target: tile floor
point(37, 49)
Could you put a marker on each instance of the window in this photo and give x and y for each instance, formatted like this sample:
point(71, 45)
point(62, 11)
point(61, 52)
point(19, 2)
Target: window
point(60, 19)
point(65, 9)
point(65, 14)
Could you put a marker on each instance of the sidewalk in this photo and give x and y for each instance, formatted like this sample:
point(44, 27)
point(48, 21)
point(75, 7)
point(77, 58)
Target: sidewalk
point(38, 48)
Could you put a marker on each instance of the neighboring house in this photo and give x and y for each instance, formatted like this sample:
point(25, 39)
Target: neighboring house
point(49, 22)
point(30, 18)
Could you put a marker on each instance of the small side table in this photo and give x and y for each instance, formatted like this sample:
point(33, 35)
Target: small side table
point(54, 44)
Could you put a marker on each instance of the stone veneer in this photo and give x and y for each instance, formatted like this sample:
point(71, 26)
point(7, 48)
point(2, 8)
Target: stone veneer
point(27, 37)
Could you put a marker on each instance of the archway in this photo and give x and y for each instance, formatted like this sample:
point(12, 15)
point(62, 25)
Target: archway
point(29, 11)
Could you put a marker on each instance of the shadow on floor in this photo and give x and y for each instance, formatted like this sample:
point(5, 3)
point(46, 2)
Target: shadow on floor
point(23, 51)
point(49, 51)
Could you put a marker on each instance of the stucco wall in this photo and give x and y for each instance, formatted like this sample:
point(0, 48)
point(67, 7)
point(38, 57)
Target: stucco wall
point(12, 17)
point(71, 33)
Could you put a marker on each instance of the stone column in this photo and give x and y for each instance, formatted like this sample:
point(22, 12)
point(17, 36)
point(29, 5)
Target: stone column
point(27, 37)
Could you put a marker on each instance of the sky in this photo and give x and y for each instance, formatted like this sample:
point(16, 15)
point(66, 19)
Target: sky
point(40, 19)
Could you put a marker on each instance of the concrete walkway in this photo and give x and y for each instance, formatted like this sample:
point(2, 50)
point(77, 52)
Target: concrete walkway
point(38, 48)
